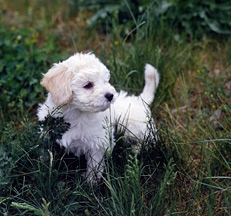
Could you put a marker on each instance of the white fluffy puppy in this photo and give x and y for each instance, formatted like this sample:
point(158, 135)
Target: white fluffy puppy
point(80, 86)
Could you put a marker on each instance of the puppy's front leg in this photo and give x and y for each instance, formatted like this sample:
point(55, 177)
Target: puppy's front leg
point(95, 165)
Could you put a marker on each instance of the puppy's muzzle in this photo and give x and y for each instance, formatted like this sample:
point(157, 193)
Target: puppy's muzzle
point(109, 96)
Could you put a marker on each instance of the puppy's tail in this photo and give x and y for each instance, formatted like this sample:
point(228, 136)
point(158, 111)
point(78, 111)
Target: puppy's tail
point(152, 79)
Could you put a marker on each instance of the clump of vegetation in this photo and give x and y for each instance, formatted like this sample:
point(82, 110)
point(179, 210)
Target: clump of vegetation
point(23, 60)
point(195, 18)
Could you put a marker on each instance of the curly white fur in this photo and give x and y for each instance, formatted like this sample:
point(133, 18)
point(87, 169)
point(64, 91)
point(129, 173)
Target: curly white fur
point(80, 86)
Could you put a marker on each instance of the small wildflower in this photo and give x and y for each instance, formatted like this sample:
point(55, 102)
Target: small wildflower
point(116, 42)
point(198, 71)
point(224, 107)
point(35, 35)
point(29, 10)
point(19, 37)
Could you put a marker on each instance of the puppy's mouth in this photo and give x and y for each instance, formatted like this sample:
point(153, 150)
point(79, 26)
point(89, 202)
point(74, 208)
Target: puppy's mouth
point(103, 107)
point(109, 99)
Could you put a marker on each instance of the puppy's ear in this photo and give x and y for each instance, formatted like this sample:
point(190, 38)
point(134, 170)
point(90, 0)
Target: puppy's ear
point(58, 82)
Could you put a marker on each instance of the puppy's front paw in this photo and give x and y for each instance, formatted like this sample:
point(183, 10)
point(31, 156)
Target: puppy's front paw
point(92, 177)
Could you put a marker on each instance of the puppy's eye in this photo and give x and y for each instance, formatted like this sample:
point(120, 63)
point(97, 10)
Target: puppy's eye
point(88, 85)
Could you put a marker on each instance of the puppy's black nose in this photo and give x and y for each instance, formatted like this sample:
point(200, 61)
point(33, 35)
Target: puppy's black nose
point(109, 96)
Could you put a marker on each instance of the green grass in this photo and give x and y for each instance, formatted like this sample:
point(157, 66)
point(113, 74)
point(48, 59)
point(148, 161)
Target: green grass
point(186, 173)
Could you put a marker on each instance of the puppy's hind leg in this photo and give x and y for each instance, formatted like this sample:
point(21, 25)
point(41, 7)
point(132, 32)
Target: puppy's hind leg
point(152, 79)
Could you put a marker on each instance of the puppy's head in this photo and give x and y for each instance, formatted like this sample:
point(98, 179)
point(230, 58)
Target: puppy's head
point(81, 81)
